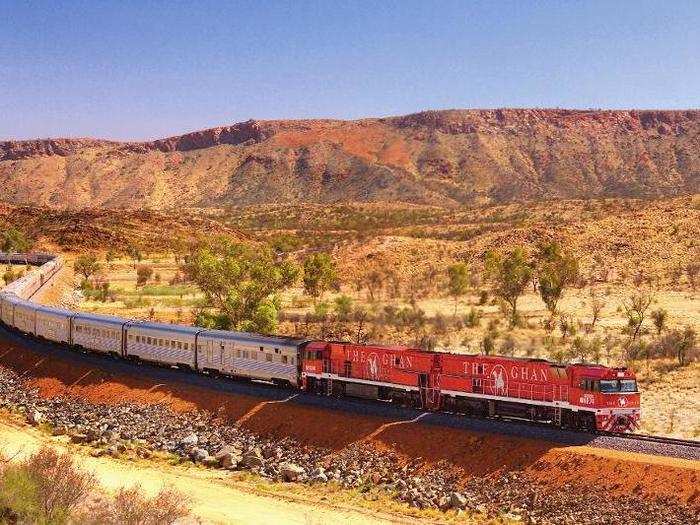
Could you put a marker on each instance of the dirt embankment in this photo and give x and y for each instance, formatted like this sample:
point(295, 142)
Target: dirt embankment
point(467, 454)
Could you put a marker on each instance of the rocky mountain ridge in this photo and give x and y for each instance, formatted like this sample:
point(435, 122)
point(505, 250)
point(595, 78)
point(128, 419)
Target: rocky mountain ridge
point(434, 157)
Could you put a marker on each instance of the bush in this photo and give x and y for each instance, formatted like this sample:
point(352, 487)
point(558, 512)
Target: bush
point(143, 274)
point(483, 297)
point(131, 507)
point(45, 488)
point(473, 318)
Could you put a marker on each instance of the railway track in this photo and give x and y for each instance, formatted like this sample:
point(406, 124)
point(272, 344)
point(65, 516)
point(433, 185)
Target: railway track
point(637, 443)
point(655, 439)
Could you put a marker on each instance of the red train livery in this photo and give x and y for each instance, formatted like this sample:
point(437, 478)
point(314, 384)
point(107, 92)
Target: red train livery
point(582, 396)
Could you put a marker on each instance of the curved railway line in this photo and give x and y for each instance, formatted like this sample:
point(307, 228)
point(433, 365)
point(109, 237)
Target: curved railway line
point(647, 444)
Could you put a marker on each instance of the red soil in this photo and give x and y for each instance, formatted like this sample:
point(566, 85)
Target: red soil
point(472, 454)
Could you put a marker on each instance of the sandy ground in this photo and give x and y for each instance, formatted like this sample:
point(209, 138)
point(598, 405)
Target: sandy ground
point(214, 497)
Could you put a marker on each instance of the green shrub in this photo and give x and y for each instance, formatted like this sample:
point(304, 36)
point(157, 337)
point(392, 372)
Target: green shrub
point(45, 488)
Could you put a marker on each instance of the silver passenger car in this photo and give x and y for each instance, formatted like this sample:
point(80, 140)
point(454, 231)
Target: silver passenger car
point(101, 333)
point(7, 307)
point(24, 317)
point(249, 355)
point(162, 343)
point(53, 324)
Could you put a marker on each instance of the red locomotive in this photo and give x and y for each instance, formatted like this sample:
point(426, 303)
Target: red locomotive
point(582, 396)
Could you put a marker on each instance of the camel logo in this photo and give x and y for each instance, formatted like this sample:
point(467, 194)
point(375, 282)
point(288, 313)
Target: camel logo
point(623, 401)
point(500, 380)
point(373, 366)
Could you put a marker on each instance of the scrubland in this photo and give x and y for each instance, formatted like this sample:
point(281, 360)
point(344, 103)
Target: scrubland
point(391, 282)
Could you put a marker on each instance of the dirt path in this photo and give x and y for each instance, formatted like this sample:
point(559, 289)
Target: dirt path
point(214, 498)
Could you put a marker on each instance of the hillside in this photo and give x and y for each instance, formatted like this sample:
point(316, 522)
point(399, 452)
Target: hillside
point(444, 158)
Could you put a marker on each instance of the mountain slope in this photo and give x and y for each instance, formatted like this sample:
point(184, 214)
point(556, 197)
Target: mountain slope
point(435, 157)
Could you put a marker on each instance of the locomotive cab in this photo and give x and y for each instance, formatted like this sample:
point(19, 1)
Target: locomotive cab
point(609, 395)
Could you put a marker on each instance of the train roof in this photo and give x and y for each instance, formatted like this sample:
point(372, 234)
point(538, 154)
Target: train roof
point(52, 309)
point(101, 318)
point(166, 327)
point(249, 336)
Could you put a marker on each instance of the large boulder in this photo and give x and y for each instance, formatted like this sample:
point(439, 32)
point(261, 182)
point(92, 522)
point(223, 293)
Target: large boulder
point(252, 458)
point(35, 418)
point(229, 457)
point(291, 471)
point(189, 441)
point(458, 501)
point(199, 454)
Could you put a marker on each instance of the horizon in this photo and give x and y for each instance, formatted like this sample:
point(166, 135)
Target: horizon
point(320, 119)
point(133, 72)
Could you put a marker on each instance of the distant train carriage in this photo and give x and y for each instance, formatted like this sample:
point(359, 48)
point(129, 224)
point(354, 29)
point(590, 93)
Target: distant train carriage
point(169, 344)
point(249, 355)
point(24, 317)
point(101, 333)
point(7, 307)
point(53, 324)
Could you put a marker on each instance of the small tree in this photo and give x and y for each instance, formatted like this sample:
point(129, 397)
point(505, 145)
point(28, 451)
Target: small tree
point(659, 317)
point(374, 282)
point(510, 275)
point(692, 270)
point(135, 254)
point(143, 274)
point(457, 282)
point(9, 275)
point(686, 344)
point(556, 270)
point(597, 306)
point(635, 310)
point(343, 307)
point(14, 240)
point(87, 265)
point(319, 274)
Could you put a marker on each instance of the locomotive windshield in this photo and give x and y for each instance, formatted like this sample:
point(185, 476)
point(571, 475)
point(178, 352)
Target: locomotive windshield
point(624, 385)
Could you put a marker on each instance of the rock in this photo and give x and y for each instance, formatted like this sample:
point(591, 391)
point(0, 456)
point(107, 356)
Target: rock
point(320, 478)
point(96, 453)
point(189, 441)
point(444, 503)
point(199, 454)
point(252, 458)
point(291, 471)
point(35, 418)
point(78, 438)
point(228, 457)
point(210, 461)
point(457, 501)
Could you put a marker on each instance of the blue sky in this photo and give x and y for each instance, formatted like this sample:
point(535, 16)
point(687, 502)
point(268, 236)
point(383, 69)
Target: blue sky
point(139, 69)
